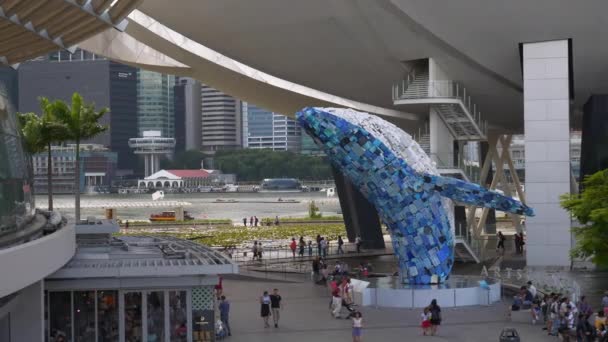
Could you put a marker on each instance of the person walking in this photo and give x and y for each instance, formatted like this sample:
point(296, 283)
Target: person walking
point(358, 243)
point(224, 314)
point(251, 221)
point(255, 221)
point(265, 308)
point(318, 245)
point(435, 316)
point(521, 242)
point(254, 250)
point(244, 221)
point(357, 326)
point(276, 306)
point(301, 245)
point(605, 303)
point(260, 250)
point(340, 244)
point(323, 245)
point(500, 247)
point(293, 246)
point(336, 304)
point(316, 268)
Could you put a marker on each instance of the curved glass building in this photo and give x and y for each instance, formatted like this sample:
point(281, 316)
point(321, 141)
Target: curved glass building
point(16, 197)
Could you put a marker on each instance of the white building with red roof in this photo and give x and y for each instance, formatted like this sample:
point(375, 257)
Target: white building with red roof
point(166, 179)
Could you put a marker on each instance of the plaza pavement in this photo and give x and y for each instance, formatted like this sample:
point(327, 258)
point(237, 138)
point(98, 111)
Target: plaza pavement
point(306, 317)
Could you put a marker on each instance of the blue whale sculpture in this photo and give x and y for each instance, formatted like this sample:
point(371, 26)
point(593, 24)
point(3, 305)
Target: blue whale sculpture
point(400, 180)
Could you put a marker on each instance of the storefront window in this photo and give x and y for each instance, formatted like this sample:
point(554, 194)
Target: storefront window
point(133, 328)
point(156, 316)
point(178, 317)
point(84, 316)
point(60, 307)
point(107, 316)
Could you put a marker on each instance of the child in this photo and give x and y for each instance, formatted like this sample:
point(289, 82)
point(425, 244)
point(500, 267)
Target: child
point(357, 326)
point(535, 311)
point(309, 248)
point(426, 320)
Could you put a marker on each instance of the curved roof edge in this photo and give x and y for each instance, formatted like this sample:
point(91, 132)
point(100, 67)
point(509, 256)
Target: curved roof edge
point(151, 45)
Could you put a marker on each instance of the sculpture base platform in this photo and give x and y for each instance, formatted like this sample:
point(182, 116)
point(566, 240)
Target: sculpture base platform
point(456, 291)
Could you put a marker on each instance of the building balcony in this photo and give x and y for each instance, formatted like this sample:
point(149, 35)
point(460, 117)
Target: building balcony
point(24, 264)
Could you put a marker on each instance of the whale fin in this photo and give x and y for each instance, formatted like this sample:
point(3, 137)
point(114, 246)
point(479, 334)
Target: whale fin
point(473, 194)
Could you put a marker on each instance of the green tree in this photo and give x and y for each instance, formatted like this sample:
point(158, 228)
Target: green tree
point(39, 133)
point(82, 122)
point(190, 159)
point(590, 208)
point(256, 164)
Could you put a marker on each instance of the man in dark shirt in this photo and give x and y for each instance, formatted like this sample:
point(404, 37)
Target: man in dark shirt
point(275, 306)
point(224, 313)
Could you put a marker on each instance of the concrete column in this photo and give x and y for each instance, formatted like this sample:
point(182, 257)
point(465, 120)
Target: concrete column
point(27, 321)
point(547, 146)
point(442, 141)
point(146, 166)
point(360, 216)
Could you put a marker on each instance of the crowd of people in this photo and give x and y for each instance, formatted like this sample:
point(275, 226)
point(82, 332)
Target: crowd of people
point(518, 239)
point(254, 221)
point(562, 317)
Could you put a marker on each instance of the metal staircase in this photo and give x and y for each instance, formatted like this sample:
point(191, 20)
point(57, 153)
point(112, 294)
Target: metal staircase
point(448, 99)
point(463, 252)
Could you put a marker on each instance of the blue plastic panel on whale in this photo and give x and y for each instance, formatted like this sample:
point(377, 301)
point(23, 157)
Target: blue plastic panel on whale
point(409, 202)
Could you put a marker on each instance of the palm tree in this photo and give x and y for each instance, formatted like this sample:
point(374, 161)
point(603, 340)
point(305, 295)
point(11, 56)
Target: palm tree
point(81, 121)
point(39, 133)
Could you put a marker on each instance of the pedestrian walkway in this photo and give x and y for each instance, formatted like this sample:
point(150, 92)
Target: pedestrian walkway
point(306, 317)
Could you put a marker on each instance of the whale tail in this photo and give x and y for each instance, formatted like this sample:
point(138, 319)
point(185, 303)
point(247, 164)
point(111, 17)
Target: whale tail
point(473, 194)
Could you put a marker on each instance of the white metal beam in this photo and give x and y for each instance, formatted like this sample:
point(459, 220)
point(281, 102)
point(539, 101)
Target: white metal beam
point(105, 16)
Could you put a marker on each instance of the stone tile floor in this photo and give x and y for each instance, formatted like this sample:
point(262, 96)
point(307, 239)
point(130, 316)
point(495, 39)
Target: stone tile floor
point(306, 317)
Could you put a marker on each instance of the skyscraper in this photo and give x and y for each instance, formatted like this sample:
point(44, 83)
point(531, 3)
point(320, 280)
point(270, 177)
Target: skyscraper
point(221, 121)
point(187, 108)
point(99, 80)
point(155, 103)
point(265, 129)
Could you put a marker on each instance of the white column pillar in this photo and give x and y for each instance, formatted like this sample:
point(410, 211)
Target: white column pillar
point(547, 146)
point(27, 320)
point(441, 140)
point(146, 165)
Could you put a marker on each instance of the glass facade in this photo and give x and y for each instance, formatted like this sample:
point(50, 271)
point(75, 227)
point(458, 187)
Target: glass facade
point(156, 316)
point(60, 315)
point(178, 316)
point(107, 316)
point(84, 316)
point(155, 102)
point(16, 198)
point(265, 129)
point(133, 323)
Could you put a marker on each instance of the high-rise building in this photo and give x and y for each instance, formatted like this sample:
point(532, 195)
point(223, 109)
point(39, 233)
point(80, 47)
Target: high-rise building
point(155, 103)
point(309, 147)
point(98, 80)
point(265, 129)
point(97, 168)
point(221, 121)
point(187, 108)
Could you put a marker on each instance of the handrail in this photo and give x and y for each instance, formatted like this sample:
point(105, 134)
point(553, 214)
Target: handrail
point(438, 89)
